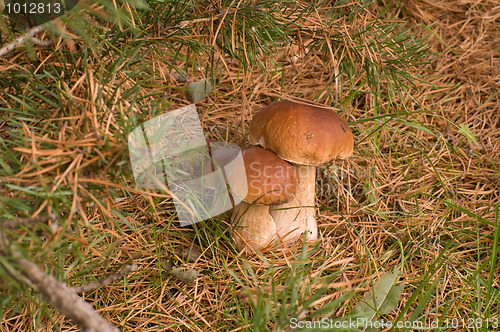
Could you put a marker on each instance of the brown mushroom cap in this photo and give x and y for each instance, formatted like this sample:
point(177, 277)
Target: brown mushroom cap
point(270, 179)
point(302, 134)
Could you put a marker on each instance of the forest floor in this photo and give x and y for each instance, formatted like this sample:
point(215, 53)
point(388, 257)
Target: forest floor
point(419, 194)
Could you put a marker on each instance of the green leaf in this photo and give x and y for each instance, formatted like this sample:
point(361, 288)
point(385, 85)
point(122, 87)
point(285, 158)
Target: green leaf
point(465, 130)
point(383, 298)
point(199, 90)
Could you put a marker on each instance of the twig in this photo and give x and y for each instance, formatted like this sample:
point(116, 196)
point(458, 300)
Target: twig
point(63, 297)
point(39, 42)
point(27, 221)
point(96, 284)
point(30, 34)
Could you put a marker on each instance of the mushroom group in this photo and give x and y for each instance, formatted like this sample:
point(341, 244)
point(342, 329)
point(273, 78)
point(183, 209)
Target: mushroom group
point(305, 136)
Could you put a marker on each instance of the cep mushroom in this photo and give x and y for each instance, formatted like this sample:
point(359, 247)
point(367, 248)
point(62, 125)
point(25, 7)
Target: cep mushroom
point(270, 180)
point(307, 136)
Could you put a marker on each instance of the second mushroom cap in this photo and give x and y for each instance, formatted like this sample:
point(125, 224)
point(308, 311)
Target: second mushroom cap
point(270, 179)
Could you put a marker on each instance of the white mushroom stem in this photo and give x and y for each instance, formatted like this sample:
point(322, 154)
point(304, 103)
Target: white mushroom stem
point(253, 226)
point(292, 219)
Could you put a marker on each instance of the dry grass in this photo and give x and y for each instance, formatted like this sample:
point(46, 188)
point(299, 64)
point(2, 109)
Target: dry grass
point(414, 190)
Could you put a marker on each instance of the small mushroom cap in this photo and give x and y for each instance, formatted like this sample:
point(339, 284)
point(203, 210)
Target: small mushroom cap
point(270, 179)
point(302, 134)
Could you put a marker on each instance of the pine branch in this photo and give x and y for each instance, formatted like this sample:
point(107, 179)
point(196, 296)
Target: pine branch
point(30, 34)
point(62, 297)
